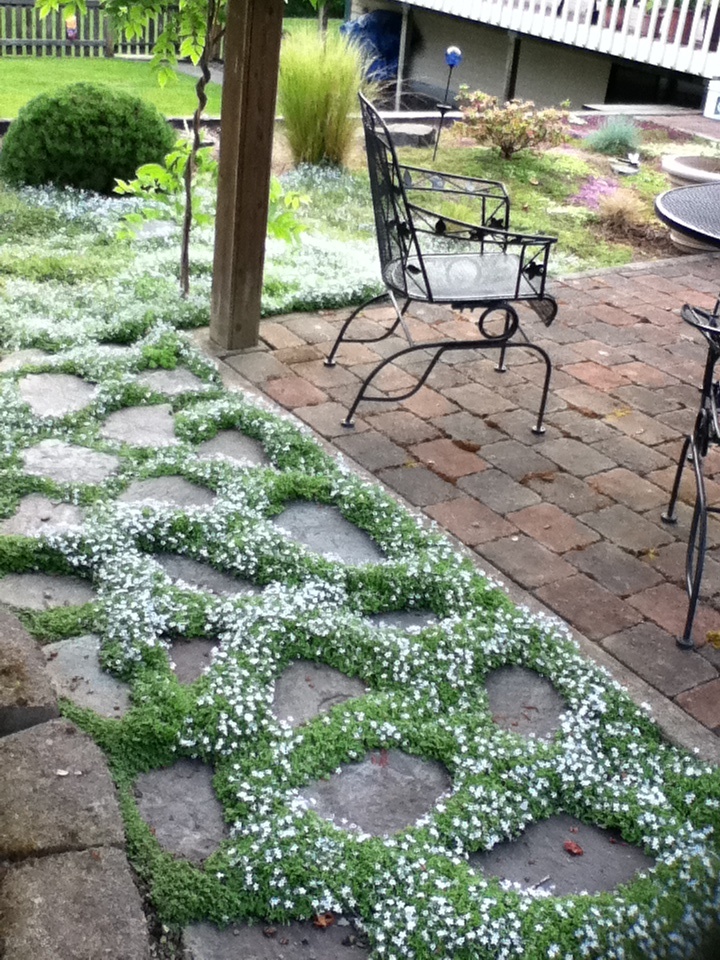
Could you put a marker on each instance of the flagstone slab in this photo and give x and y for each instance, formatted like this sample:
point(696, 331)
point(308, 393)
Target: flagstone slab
point(20, 358)
point(68, 463)
point(386, 792)
point(264, 941)
point(191, 658)
point(151, 426)
point(538, 858)
point(203, 576)
point(170, 490)
point(60, 796)
point(74, 668)
point(170, 382)
point(235, 446)
point(73, 906)
point(37, 516)
point(404, 619)
point(56, 394)
point(324, 530)
point(180, 805)
point(524, 702)
point(26, 694)
point(43, 591)
point(306, 689)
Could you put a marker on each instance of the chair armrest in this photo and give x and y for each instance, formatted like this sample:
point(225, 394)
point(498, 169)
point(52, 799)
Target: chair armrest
point(439, 225)
point(492, 196)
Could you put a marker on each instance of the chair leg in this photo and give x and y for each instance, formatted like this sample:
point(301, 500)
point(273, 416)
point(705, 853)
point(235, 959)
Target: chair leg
point(388, 295)
point(669, 515)
point(500, 367)
point(697, 544)
point(538, 429)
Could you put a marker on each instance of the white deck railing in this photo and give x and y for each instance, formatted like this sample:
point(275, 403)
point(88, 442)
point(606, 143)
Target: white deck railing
point(677, 34)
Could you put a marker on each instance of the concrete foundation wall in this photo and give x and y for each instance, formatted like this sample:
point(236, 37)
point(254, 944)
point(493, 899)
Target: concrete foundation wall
point(549, 73)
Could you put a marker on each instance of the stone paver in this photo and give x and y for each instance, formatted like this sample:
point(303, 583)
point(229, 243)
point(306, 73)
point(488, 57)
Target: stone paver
point(60, 796)
point(447, 459)
point(538, 859)
point(526, 561)
point(191, 658)
point(703, 703)
point(185, 570)
point(42, 591)
point(67, 463)
point(37, 516)
point(386, 792)
point(73, 906)
point(420, 486)
point(22, 358)
point(235, 446)
point(524, 702)
point(180, 805)
point(591, 608)
point(172, 383)
point(175, 491)
point(470, 521)
point(151, 426)
point(324, 530)
point(74, 668)
point(55, 394)
point(262, 941)
point(552, 527)
point(306, 689)
point(614, 569)
point(26, 694)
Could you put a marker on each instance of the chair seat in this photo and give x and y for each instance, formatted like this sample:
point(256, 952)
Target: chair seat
point(461, 278)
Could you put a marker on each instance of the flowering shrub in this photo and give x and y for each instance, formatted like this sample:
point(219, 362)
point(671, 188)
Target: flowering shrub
point(513, 126)
point(415, 893)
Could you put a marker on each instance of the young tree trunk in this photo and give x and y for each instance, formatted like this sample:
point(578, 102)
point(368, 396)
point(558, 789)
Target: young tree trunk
point(189, 174)
point(323, 16)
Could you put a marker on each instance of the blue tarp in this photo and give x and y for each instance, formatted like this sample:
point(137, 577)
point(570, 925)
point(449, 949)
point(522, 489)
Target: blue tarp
point(378, 33)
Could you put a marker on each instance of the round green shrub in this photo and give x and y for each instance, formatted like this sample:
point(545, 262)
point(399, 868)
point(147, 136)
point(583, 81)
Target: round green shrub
point(84, 135)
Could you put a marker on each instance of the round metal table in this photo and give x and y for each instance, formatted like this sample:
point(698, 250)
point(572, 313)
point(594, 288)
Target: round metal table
point(692, 210)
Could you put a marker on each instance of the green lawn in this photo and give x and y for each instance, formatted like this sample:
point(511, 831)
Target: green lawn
point(22, 78)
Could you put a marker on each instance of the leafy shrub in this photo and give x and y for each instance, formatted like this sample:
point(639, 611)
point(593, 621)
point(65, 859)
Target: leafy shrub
point(616, 137)
point(317, 95)
point(513, 126)
point(84, 135)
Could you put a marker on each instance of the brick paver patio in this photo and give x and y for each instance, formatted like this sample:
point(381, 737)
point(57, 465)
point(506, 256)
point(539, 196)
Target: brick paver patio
point(573, 516)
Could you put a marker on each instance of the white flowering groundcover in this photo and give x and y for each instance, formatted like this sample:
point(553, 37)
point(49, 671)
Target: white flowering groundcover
point(413, 892)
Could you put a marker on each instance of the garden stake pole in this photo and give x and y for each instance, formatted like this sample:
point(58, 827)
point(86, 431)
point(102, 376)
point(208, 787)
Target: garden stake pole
point(453, 56)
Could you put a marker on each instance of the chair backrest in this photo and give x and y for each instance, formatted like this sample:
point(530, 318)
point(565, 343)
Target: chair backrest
point(397, 242)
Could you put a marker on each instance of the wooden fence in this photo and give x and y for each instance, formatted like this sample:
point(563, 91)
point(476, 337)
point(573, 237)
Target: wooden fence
point(23, 32)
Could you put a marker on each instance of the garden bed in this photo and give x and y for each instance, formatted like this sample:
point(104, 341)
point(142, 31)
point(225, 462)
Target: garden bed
point(111, 324)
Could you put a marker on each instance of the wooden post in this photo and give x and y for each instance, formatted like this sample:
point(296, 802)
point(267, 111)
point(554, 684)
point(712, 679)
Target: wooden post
point(252, 56)
point(109, 38)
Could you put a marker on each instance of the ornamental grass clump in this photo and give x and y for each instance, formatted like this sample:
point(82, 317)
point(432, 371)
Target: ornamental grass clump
point(85, 136)
point(317, 95)
point(617, 137)
point(511, 127)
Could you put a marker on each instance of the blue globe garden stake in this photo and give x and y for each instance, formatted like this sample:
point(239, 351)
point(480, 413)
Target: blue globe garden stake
point(453, 57)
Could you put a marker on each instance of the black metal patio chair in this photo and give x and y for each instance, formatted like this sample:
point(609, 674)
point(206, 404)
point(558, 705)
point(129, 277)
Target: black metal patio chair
point(429, 256)
point(706, 431)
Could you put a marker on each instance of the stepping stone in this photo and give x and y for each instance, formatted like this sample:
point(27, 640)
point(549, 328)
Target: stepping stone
point(538, 859)
point(36, 516)
point(524, 702)
point(67, 463)
point(235, 446)
point(202, 576)
point(60, 795)
point(55, 394)
point(171, 490)
point(74, 668)
point(180, 805)
point(73, 906)
point(170, 382)
point(26, 694)
point(151, 426)
point(413, 134)
point(191, 658)
point(306, 689)
point(18, 359)
point(42, 591)
point(404, 619)
point(387, 792)
point(262, 941)
point(324, 530)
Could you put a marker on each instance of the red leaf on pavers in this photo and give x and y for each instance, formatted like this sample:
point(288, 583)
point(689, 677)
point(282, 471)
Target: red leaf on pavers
point(323, 920)
point(574, 848)
point(381, 759)
point(283, 941)
point(269, 932)
point(574, 830)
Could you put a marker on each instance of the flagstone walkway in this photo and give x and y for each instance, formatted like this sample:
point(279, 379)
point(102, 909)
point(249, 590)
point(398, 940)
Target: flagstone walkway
point(573, 516)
